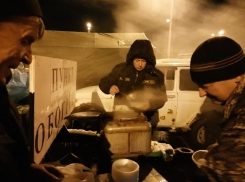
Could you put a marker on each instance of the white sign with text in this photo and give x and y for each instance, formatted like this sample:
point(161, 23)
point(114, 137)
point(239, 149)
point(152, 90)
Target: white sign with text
point(53, 83)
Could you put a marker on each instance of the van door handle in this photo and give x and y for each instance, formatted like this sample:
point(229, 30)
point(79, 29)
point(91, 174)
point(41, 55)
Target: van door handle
point(171, 96)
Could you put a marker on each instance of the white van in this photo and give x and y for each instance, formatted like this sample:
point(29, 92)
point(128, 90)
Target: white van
point(184, 111)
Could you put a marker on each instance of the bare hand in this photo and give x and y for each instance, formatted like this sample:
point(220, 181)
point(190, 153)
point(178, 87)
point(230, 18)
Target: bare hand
point(114, 90)
point(46, 173)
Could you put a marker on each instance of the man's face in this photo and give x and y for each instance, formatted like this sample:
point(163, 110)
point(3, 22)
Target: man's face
point(220, 91)
point(16, 37)
point(139, 64)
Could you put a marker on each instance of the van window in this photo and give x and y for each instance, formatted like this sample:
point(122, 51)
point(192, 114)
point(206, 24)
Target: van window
point(186, 84)
point(169, 76)
point(169, 79)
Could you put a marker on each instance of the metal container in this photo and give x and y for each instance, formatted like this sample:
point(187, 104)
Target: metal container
point(128, 137)
point(198, 157)
point(86, 120)
point(123, 111)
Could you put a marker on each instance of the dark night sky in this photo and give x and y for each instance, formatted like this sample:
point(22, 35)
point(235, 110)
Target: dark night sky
point(72, 15)
point(193, 20)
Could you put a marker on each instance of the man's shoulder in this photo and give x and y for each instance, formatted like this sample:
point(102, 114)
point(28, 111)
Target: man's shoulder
point(120, 65)
point(158, 72)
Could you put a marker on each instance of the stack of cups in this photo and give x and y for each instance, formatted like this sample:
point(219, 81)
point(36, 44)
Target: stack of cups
point(125, 170)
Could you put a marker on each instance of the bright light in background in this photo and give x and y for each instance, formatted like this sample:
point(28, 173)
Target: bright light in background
point(89, 27)
point(168, 20)
point(212, 34)
point(221, 32)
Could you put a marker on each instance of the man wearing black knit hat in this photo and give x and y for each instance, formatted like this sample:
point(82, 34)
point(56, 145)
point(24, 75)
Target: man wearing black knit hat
point(218, 67)
point(20, 26)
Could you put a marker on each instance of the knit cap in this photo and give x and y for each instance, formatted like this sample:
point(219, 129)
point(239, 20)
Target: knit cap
point(216, 59)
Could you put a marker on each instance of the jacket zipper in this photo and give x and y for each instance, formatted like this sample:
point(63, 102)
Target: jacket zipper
point(136, 78)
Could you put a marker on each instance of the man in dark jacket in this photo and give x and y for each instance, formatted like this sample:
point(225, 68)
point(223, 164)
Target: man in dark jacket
point(137, 75)
point(218, 67)
point(20, 26)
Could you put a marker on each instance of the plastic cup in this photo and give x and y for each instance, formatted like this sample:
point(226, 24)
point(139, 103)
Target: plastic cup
point(125, 170)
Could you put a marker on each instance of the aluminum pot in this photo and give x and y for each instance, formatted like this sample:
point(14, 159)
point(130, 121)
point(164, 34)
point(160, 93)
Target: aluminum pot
point(86, 117)
point(123, 111)
point(84, 114)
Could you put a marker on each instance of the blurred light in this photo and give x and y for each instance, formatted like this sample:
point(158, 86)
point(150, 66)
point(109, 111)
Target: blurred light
point(121, 42)
point(124, 42)
point(168, 20)
point(221, 32)
point(212, 34)
point(89, 27)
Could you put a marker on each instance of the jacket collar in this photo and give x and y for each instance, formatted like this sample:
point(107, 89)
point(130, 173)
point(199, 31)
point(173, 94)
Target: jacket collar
point(234, 98)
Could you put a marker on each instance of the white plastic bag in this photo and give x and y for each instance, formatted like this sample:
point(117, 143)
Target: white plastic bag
point(18, 86)
point(75, 173)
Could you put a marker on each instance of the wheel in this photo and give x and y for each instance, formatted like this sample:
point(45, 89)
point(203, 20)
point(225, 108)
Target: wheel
point(204, 131)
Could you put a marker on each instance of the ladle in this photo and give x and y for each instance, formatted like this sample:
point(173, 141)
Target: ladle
point(129, 97)
point(123, 94)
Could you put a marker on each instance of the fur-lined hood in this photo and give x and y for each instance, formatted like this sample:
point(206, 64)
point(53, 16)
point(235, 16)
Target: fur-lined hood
point(141, 49)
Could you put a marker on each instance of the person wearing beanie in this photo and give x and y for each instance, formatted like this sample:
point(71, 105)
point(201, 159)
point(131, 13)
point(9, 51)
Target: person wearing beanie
point(20, 26)
point(137, 75)
point(218, 67)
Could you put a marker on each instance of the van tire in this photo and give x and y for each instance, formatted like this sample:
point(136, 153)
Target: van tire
point(204, 131)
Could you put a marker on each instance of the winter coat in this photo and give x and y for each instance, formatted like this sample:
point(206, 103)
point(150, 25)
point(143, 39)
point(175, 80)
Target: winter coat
point(14, 155)
point(150, 80)
point(226, 161)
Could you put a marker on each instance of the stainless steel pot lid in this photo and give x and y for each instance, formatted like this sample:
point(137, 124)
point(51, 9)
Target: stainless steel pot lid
point(86, 114)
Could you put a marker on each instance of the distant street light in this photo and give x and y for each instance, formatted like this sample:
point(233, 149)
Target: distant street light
point(89, 27)
point(168, 20)
point(221, 32)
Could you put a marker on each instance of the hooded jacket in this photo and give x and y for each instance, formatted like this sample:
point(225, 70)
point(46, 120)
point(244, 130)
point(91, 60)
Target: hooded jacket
point(124, 75)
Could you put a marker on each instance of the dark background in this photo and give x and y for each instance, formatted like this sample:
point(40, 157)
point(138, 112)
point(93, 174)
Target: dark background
point(192, 21)
point(72, 15)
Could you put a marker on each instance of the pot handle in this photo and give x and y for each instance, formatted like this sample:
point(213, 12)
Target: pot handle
point(130, 119)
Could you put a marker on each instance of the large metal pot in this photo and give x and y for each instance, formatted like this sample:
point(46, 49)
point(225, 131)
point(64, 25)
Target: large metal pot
point(135, 102)
point(86, 117)
point(84, 114)
point(86, 120)
point(123, 111)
